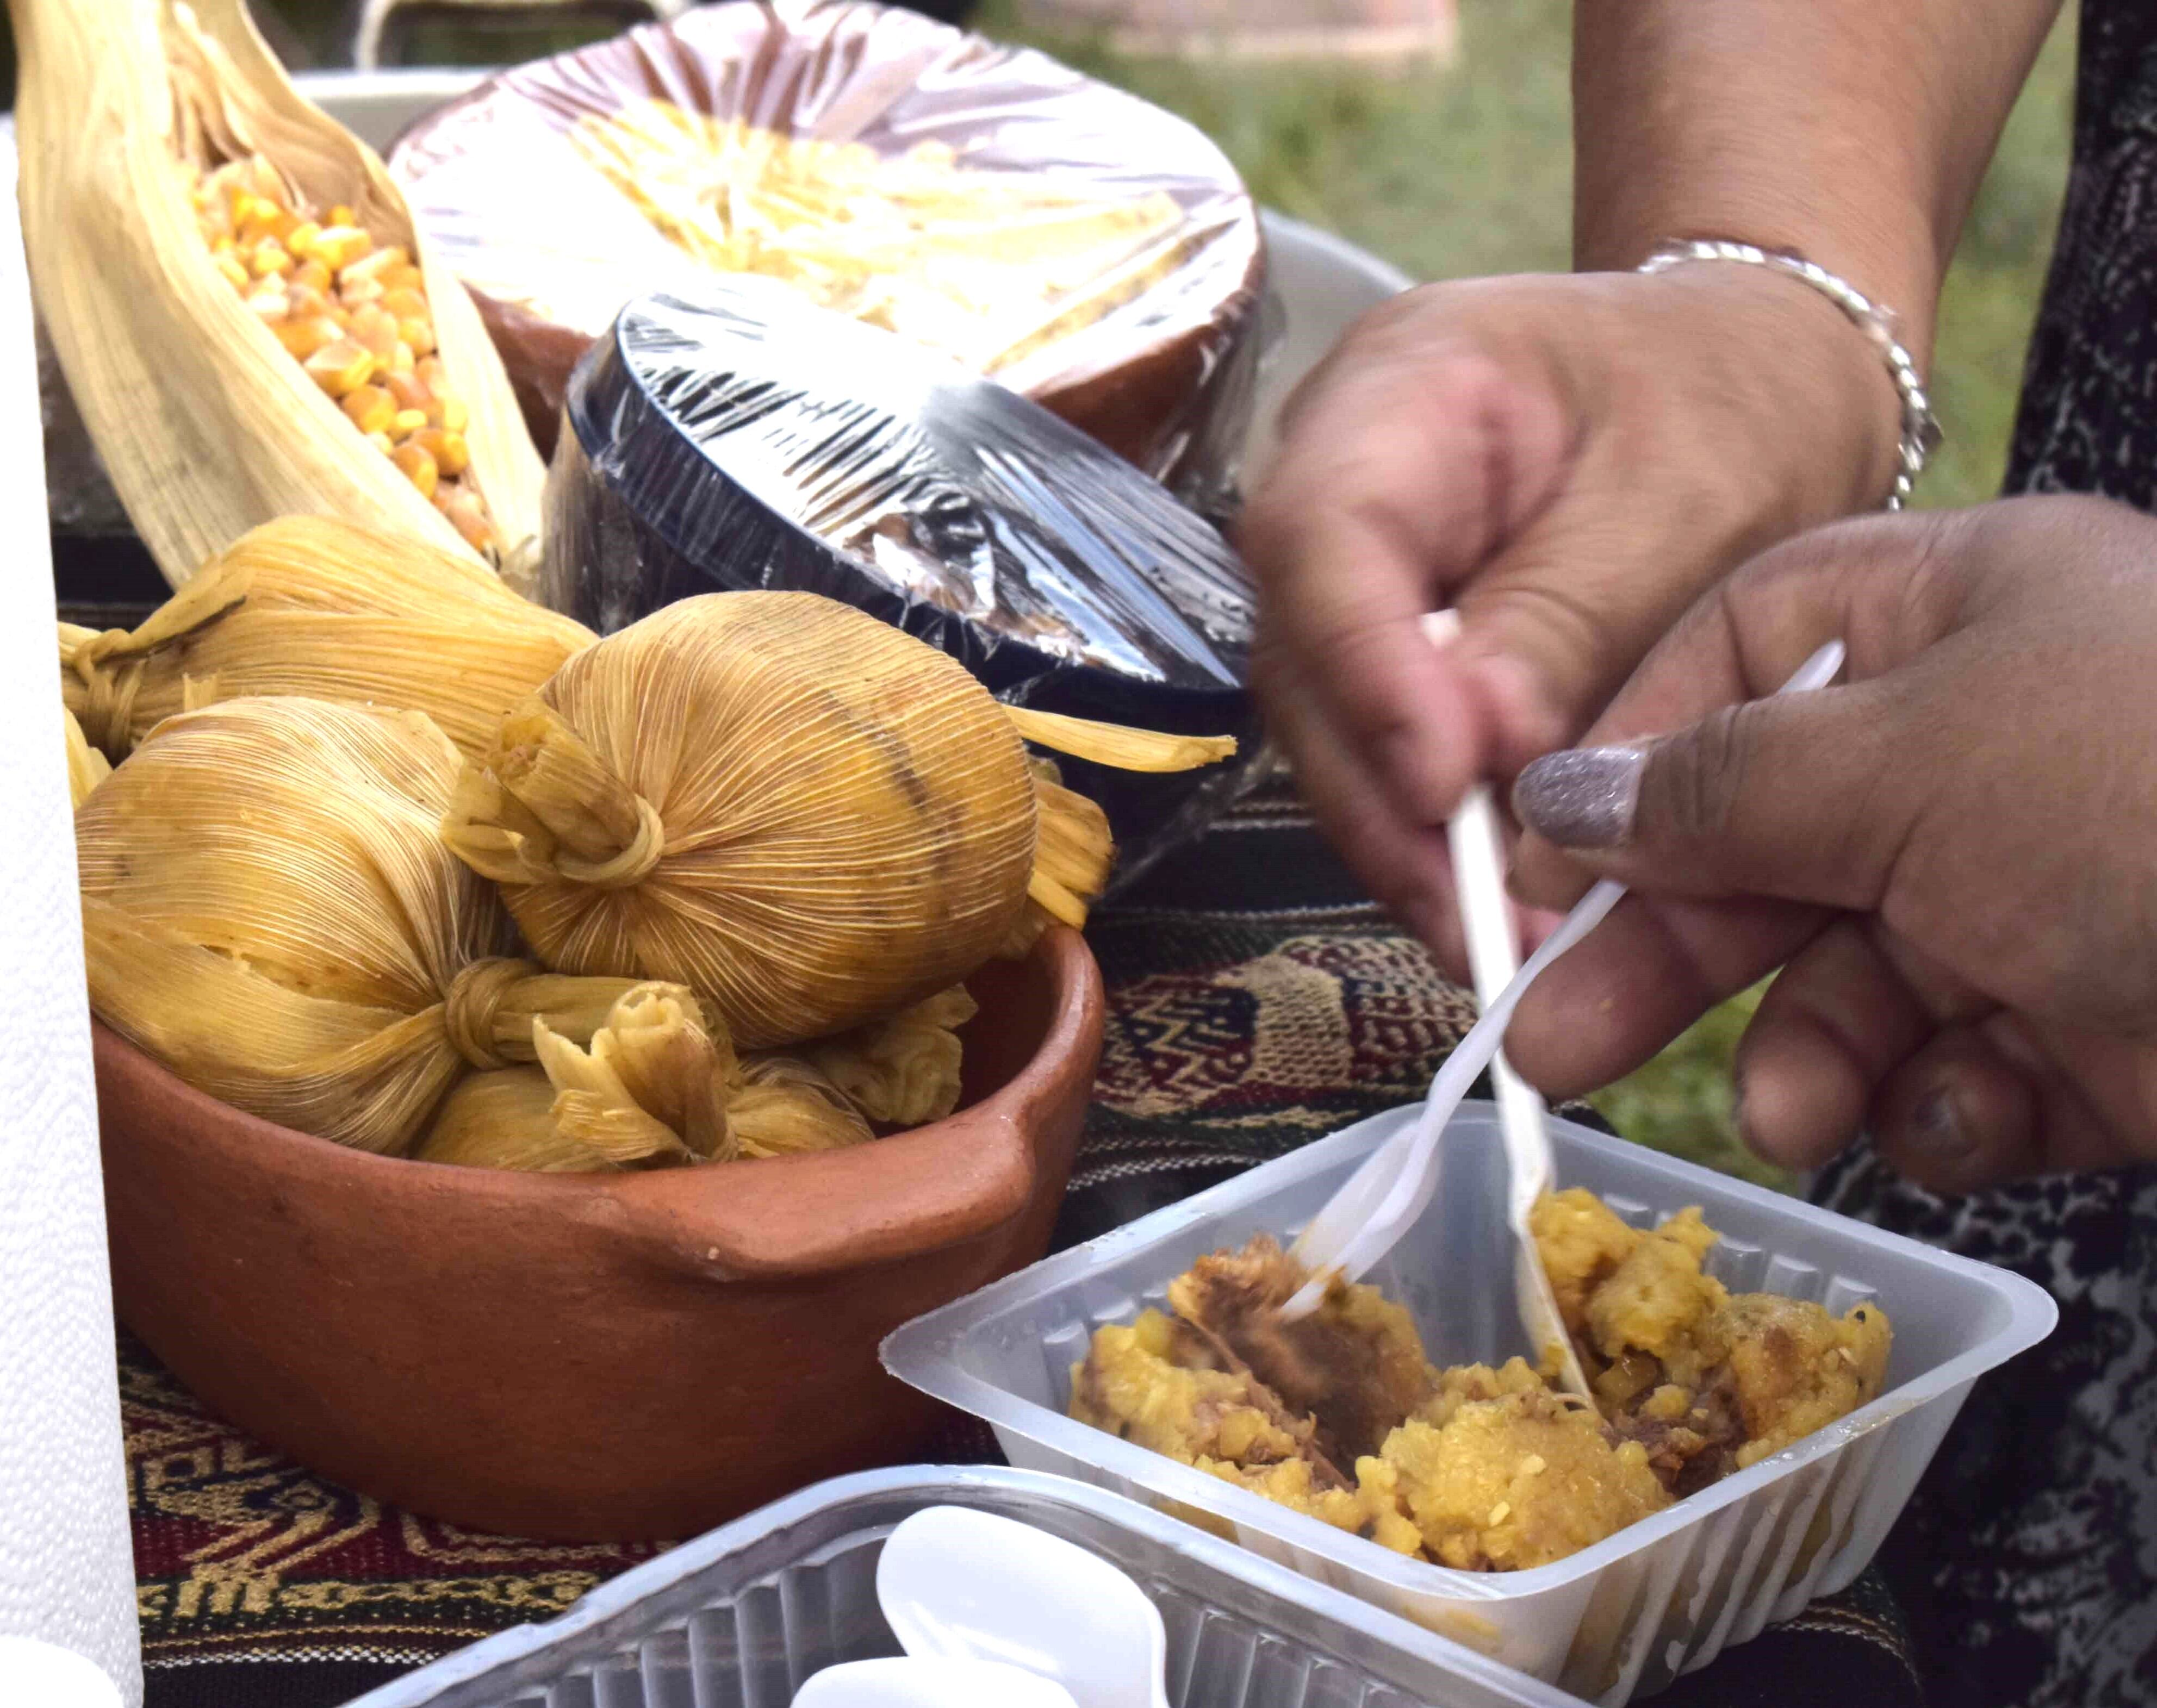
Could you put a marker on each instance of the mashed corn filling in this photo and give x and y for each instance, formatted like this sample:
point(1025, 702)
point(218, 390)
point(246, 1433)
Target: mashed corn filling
point(1342, 1417)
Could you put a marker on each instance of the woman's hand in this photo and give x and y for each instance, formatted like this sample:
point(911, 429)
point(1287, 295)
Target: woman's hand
point(1953, 857)
point(1571, 460)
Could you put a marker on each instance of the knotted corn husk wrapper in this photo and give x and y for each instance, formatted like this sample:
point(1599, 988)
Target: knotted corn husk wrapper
point(808, 817)
point(327, 609)
point(207, 425)
point(782, 1107)
point(656, 1088)
point(268, 911)
point(648, 1092)
point(86, 766)
point(901, 1071)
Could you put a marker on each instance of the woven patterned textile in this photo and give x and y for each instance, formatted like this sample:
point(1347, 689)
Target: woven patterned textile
point(1238, 1030)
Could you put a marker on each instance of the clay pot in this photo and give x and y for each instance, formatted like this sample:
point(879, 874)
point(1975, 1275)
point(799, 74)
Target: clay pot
point(579, 1357)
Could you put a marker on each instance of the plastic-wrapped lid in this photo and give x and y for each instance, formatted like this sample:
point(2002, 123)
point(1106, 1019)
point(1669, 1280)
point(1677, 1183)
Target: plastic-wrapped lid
point(1084, 247)
point(744, 438)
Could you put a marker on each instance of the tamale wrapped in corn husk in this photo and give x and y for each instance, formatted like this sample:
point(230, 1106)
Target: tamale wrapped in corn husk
point(326, 609)
point(86, 766)
point(903, 1070)
point(207, 421)
point(658, 1088)
point(809, 817)
point(268, 911)
point(783, 1107)
point(649, 1092)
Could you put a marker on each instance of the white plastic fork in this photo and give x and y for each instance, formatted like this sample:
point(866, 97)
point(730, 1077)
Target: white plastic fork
point(1486, 919)
point(1386, 1197)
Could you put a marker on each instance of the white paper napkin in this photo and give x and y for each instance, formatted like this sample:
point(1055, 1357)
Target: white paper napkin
point(67, 1573)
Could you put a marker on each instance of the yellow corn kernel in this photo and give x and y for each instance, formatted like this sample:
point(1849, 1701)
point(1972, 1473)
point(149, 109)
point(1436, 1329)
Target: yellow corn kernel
point(380, 441)
point(268, 301)
point(456, 417)
point(419, 334)
point(407, 277)
point(409, 390)
point(432, 370)
point(468, 516)
point(359, 293)
point(400, 357)
point(375, 329)
point(371, 267)
point(451, 455)
point(372, 409)
point(404, 303)
point(229, 263)
point(340, 245)
point(315, 275)
point(340, 367)
point(304, 338)
point(301, 238)
point(243, 208)
point(268, 257)
point(307, 302)
point(407, 423)
point(341, 215)
point(418, 466)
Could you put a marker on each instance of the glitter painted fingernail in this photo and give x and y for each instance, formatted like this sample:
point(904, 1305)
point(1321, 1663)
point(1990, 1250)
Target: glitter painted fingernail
point(1937, 1125)
point(1584, 797)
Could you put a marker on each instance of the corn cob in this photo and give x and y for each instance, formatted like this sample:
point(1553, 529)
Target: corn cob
point(205, 421)
point(355, 314)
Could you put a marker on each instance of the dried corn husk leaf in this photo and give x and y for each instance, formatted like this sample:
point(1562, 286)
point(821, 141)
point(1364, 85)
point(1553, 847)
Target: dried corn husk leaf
point(782, 1106)
point(505, 1120)
point(1117, 744)
point(268, 911)
point(87, 768)
point(902, 1070)
point(207, 425)
point(810, 818)
point(326, 609)
point(650, 1092)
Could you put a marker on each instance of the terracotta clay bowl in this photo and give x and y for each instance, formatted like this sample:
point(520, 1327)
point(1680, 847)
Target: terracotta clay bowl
point(587, 1358)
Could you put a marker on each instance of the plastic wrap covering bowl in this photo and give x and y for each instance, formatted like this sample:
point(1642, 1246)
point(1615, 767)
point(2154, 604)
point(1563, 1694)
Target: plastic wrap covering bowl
point(744, 438)
point(1086, 247)
point(744, 1617)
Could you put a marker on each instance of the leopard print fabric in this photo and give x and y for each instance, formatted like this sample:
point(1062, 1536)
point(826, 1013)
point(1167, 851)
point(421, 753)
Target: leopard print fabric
point(2027, 1563)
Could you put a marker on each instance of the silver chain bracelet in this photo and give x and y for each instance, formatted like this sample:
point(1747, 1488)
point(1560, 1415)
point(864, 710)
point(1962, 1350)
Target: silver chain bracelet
point(1921, 431)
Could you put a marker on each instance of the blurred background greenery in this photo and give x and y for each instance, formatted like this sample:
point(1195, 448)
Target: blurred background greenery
point(1465, 169)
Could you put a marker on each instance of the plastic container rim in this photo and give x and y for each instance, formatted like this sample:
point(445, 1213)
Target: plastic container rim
point(623, 1597)
point(2031, 1311)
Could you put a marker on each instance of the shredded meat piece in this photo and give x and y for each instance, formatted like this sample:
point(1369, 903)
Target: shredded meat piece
point(1354, 1365)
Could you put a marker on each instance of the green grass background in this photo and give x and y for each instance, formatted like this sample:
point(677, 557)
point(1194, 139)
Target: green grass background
point(1451, 170)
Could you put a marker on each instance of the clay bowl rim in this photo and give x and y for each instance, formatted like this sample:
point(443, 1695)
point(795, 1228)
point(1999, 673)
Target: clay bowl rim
point(926, 1189)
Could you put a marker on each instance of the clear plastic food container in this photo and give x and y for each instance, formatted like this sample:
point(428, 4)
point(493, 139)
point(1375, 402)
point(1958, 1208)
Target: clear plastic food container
point(1627, 1616)
point(742, 1616)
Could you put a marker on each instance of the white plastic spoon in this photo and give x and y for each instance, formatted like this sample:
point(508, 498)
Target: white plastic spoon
point(1384, 1198)
point(955, 1584)
point(917, 1681)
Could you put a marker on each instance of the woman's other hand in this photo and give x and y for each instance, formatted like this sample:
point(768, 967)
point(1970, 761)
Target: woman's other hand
point(1953, 857)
